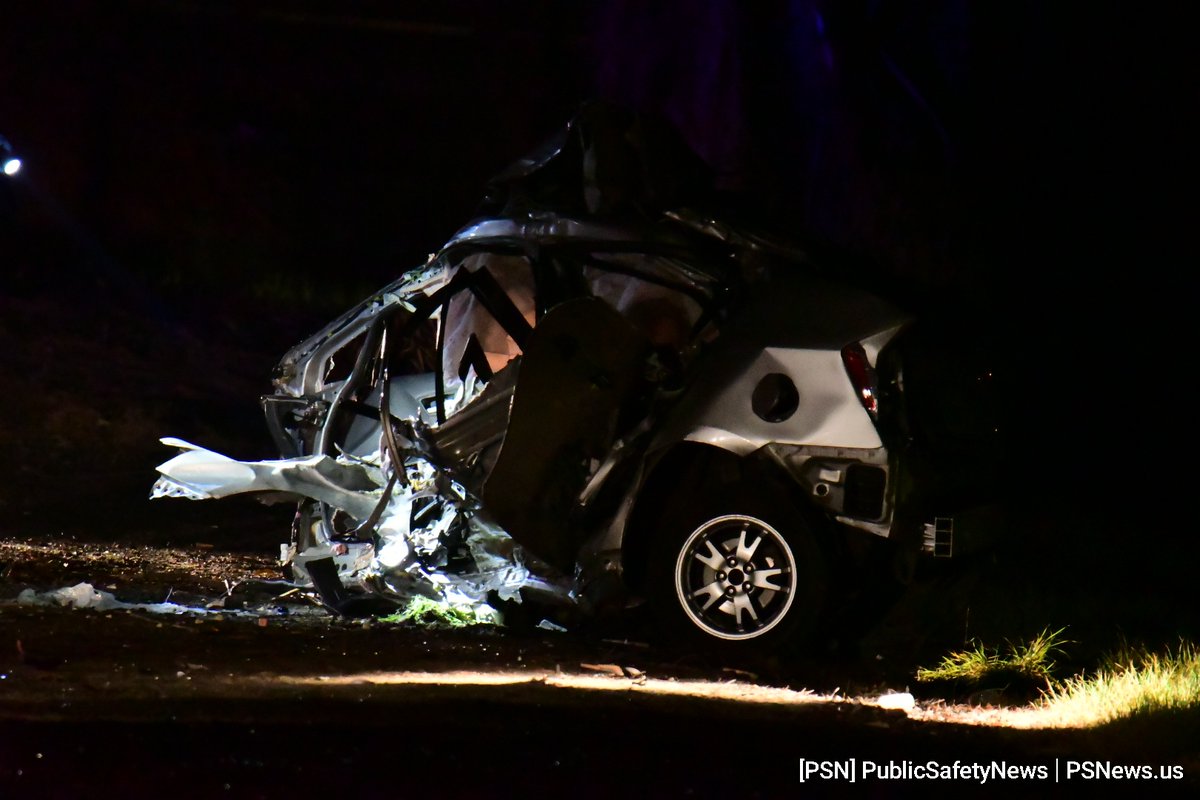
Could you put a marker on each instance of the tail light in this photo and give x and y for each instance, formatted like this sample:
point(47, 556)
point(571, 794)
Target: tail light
point(862, 377)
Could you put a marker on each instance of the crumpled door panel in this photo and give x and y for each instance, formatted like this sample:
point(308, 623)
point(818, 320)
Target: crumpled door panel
point(581, 372)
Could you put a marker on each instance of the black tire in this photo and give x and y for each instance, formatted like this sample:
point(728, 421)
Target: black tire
point(735, 571)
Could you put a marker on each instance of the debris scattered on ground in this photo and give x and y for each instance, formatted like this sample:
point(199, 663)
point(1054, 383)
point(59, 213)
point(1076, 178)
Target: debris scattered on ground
point(902, 701)
point(84, 595)
point(81, 595)
point(607, 669)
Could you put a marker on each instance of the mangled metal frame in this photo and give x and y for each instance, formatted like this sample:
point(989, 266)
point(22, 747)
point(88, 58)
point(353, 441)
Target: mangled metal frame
point(436, 436)
point(571, 244)
point(364, 486)
point(414, 483)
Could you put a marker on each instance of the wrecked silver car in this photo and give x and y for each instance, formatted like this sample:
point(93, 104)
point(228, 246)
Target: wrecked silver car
point(595, 395)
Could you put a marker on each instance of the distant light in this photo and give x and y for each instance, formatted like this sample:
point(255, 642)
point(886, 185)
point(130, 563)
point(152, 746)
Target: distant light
point(12, 166)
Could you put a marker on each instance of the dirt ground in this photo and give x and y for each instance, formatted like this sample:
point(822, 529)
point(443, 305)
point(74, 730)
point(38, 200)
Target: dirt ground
point(266, 695)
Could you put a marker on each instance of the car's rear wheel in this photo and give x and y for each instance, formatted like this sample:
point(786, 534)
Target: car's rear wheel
point(738, 573)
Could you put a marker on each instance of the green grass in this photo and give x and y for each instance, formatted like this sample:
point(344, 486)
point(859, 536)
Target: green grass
point(981, 666)
point(429, 612)
point(1134, 685)
point(1133, 682)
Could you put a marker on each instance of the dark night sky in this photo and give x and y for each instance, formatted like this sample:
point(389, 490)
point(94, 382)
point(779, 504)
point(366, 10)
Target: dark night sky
point(1023, 165)
point(937, 138)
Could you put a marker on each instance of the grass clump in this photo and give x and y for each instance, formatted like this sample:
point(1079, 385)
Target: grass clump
point(1130, 683)
point(1134, 692)
point(434, 613)
point(1027, 663)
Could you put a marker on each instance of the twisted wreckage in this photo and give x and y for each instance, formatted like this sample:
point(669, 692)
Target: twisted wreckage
point(595, 394)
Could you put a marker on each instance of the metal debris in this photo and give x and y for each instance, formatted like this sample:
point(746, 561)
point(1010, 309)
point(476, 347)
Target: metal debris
point(429, 541)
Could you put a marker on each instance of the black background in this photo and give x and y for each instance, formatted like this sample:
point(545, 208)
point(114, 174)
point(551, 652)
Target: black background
point(242, 171)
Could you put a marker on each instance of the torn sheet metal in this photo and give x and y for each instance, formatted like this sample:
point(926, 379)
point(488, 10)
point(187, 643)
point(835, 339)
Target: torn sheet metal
point(429, 540)
point(200, 474)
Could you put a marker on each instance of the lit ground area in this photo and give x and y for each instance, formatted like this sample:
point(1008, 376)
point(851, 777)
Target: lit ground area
point(270, 694)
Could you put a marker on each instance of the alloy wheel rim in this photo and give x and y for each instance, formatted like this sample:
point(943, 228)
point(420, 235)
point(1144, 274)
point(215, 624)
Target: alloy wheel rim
point(735, 577)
